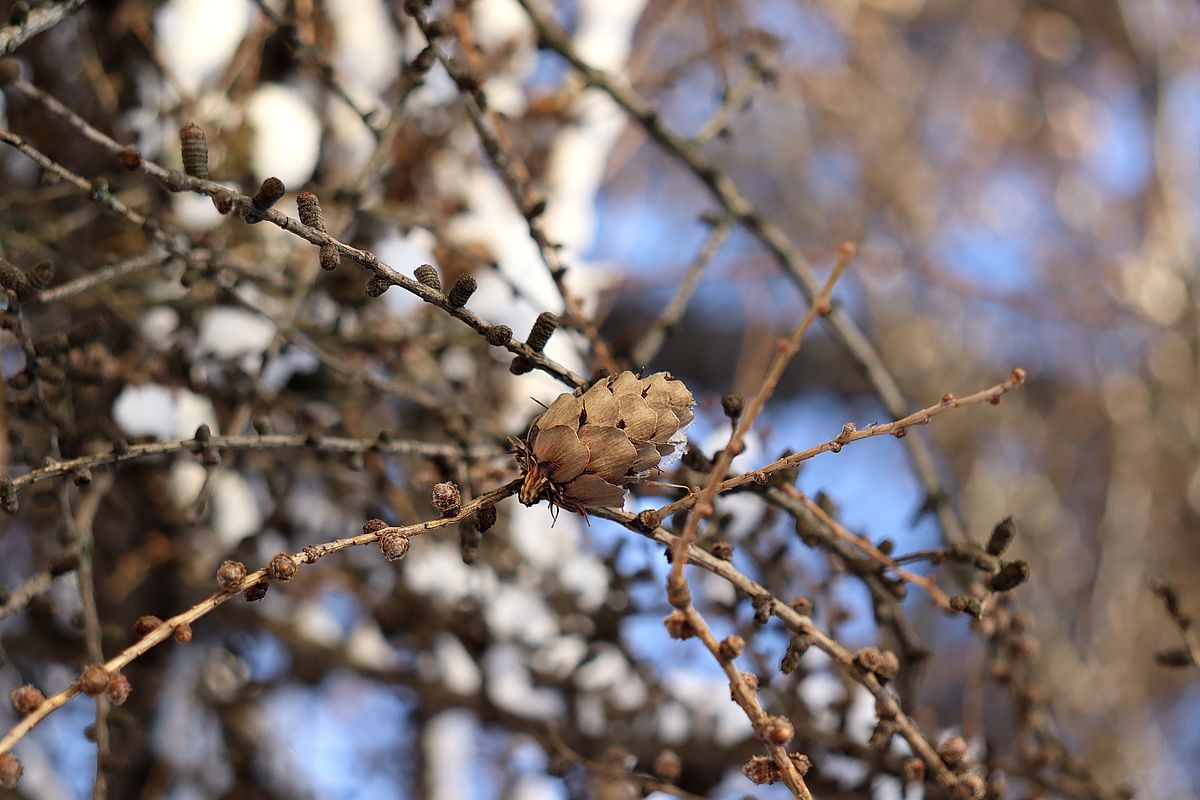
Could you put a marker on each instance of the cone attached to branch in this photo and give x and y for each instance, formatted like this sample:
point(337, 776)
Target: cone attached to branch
point(583, 449)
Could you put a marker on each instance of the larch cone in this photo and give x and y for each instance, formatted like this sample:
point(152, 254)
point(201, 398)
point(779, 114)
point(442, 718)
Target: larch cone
point(583, 449)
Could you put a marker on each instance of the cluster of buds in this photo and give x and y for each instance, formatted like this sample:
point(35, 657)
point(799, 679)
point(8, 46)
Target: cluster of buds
point(580, 452)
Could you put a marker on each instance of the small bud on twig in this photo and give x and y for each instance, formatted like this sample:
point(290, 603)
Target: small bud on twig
point(427, 275)
point(194, 147)
point(308, 208)
point(732, 646)
point(1002, 536)
point(732, 405)
point(25, 699)
point(498, 335)
point(118, 689)
point(446, 498)
point(268, 194)
point(10, 766)
point(282, 568)
point(145, 624)
point(543, 328)
point(393, 545)
point(462, 290)
point(329, 258)
point(94, 680)
point(1010, 576)
point(231, 574)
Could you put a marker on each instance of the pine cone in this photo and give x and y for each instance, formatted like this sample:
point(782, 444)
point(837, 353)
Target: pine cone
point(582, 449)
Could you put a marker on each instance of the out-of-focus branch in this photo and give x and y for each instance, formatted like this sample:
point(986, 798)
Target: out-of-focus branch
point(39, 20)
point(771, 236)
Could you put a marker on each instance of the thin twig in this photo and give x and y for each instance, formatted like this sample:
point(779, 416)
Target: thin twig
point(279, 441)
point(175, 181)
point(514, 176)
point(771, 236)
point(850, 433)
point(787, 349)
point(309, 555)
point(652, 341)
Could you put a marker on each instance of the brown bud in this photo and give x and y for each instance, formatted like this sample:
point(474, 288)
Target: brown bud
point(913, 770)
point(183, 632)
point(668, 766)
point(393, 545)
point(732, 405)
point(87, 330)
point(498, 335)
point(118, 689)
point(520, 365)
point(795, 651)
point(763, 605)
point(777, 731)
point(330, 259)
point(953, 750)
point(10, 766)
point(801, 605)
point(130, 159)
point(801, 762)
point(1002, 536)
point(677, 625)
point(679, 594)
point(970, 787)
point(967, 604)
point(230, 575)
point(282, 568)
point(25, 699)
point(194, 146)
point(722, 550)
point(41, 275)
point(374, 526)
point(881, 737)
point(268, 194)
point(94, 680)
point(427, 275)
point(308, 207)
point(883, 663)
point(223, 202)
point(648, 520)
point(750, 679)
point(1010, 576)
point(760, 770)
point(446, 498)
point(12, 278)
point(732, 646)
point(543, 328)
point(145, 624)
point(463, 288)
point(377, 285)
point(485, 518)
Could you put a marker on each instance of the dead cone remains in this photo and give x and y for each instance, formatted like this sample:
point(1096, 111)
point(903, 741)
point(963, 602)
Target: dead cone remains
point(582, 449)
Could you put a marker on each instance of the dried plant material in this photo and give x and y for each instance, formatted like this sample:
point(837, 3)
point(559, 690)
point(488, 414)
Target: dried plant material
point(582, 450)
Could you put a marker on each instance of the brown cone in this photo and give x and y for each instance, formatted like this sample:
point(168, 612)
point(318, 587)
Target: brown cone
point(581, 449)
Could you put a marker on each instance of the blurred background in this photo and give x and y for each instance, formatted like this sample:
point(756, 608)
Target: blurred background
point(1021, 181)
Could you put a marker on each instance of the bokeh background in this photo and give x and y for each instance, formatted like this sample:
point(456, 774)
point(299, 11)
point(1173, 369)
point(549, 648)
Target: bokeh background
point(1021, 181)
